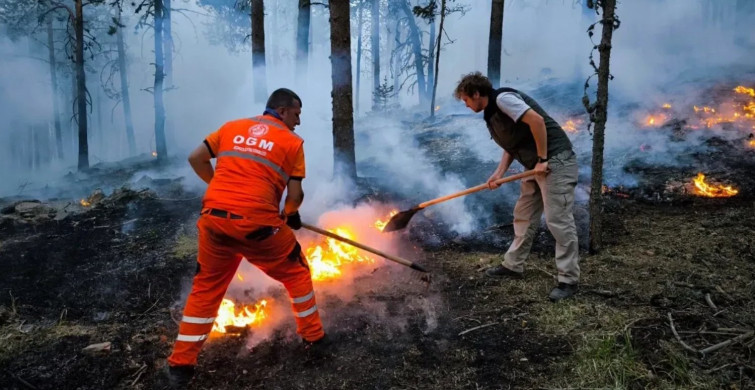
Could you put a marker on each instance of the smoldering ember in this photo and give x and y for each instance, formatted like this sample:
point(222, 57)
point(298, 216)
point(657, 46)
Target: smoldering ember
point(377, 194)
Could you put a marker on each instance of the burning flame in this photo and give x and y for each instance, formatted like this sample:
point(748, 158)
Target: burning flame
point(85, 203)
point(245, 315)
point(570, 126)
point(327, 258)
point(380, 224)
point(154, 154)
point(655, 120)
point(751, 143)
point(744, 90)
point(712, 190)
point(437, 108)
point(666, 106)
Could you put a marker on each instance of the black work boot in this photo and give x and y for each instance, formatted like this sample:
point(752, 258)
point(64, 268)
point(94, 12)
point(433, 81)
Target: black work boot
point(562, 291)
point(500, 271)
point(179, 376)
point(319, 347)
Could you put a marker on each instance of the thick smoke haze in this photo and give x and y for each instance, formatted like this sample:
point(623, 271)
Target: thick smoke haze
point(660, 49)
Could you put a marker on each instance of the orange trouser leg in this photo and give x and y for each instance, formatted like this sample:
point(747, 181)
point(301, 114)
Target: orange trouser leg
point(217, 265)
point(282, 259)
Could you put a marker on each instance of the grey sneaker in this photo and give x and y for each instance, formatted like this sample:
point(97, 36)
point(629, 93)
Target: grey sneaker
point(562, 291)
point(500, 271)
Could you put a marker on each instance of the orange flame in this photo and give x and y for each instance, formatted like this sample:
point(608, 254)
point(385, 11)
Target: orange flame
point(751, 143)
point(712, 190)
point(744, 90)
point(327, 259)
point(85, 203)
point(380, 224)
point(245, 315)
point(571, 125)
point(666, 106)
point(655, 120)
point(154, 154)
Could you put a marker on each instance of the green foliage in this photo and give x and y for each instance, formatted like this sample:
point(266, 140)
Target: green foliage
point(383, 95)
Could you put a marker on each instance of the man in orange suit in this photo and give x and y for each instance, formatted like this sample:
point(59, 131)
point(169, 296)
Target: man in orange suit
point(257, 159)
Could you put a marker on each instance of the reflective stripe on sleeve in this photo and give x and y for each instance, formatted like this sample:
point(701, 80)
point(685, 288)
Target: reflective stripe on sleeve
point(197, 320)
point(304, 298)
point(191, 338)
point(307, 312)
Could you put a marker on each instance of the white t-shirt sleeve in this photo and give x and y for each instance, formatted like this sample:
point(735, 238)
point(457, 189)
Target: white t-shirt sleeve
point(512, 105)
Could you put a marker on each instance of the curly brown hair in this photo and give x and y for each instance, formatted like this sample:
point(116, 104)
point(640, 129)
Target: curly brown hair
point(471, 83)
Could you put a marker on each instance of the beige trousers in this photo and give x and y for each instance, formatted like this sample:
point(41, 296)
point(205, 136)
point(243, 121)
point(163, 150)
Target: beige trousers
point(553, 193)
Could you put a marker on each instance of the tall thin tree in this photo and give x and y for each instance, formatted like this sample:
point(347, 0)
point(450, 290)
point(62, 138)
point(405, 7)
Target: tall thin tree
point(375, 48)
point(123, 72)
point(343, 112)
point(437, 55)
point(416, 43)
point(160, 144)
point(360, 12)
point(495, 41)
point(81, 100)
point(54, 86)
point(258, 51)
point(599, 114)
point(302, 41)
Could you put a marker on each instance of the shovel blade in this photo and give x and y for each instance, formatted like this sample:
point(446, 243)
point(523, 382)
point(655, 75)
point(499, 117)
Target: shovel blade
point(400, 220)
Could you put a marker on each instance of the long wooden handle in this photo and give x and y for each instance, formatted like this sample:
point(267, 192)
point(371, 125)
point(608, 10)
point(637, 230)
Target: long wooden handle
point(475, 189)
point(358, 245)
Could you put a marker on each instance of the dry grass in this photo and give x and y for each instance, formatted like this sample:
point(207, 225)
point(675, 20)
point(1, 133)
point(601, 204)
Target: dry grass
point(186, 246)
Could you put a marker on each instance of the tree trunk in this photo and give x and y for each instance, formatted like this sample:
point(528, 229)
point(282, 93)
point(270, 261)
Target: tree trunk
point(431, 60)
point(375, 50)
point(601, 114)
point(396, 62)
point(54, 86)
point(124, 94)
point(162, 149)
point(343, 114)
point(302, 42)
point(416, 42)
point(494, 42)
point(81, 101)
point(359, 56)
point(168, 43)
point(258, 51)
point(437, 55)
point(168, 70)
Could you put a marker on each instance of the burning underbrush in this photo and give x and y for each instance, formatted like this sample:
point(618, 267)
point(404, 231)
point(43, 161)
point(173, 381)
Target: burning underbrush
point(689, 151)
point(257, 304)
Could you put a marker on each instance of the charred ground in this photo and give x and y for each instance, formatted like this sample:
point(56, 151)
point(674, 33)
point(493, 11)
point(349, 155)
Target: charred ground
point(113, 271)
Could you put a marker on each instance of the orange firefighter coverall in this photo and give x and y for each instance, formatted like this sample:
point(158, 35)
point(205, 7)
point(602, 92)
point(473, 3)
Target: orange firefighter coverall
point(240, 218)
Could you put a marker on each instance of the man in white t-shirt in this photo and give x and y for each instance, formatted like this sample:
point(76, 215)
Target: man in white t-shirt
point(530, 136)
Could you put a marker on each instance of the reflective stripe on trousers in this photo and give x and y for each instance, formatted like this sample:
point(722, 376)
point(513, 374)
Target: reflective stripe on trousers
point(219, 261)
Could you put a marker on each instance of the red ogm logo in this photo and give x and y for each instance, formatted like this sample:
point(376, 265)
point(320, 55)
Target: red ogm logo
point(258, 130)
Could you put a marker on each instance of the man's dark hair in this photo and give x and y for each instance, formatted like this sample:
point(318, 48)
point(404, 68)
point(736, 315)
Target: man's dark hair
point(282, 97)
point(471, 83)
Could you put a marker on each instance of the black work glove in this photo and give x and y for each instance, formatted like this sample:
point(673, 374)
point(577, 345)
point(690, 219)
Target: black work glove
point(294, 221)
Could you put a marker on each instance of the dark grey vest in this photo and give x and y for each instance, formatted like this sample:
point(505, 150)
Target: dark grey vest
point(516, 137)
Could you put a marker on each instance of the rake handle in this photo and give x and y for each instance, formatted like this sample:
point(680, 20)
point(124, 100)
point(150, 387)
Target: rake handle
point(360, 246)
point(475, 189)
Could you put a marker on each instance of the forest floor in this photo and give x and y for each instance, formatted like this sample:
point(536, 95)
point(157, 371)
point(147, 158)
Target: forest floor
point(113, 271)
point(669, 303)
